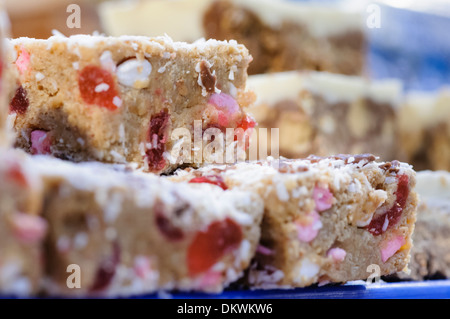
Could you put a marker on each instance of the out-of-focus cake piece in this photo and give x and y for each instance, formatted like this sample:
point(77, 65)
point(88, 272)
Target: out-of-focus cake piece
point(38, 19)
point(322, 113)
point(285, 35)
point(182, 20)
point(5, 79)
point(280, 35)
point(430, 255)
point(424, 123)
point(120, 99)
point(22, 230)
point(326, 219)
point(134, 233)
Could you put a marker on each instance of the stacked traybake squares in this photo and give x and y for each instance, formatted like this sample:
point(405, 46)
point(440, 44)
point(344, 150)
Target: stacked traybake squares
point(129, 185)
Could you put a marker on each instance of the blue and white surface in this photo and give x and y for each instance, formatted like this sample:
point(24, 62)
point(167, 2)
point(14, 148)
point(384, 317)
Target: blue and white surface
point(412, 42)
point(413, 46)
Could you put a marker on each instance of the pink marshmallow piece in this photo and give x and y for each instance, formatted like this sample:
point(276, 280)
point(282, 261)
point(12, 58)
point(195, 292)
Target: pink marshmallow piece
point(40, 143)
point(28, 229)
point(225, 105)
point(23, 61)
point(263, 250)
point(210, 279)
point(389, 248)
point(306, 233)
point(143, 266)
point(224, 101)
point(337, 254)
point(323, 198)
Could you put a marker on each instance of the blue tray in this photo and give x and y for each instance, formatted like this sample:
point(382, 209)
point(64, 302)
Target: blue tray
point(433, 289)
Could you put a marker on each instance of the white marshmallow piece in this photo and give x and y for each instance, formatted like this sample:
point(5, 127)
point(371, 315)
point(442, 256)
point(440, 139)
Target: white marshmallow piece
point(134, 73)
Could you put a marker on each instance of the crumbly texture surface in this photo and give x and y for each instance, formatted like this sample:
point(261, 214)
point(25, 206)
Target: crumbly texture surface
point(7, 80)
point(430, 255)
point(290, 46)
point(326, 219)
point(318, 121)
point(134, 233)
point(21, 229)
point(118, 100)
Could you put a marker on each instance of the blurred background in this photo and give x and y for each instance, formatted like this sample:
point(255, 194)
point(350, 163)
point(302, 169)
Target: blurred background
point(412, 43)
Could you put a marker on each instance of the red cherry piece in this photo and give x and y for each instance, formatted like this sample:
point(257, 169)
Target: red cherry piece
point(17, 175)
point(158, 135)
point(28, 229)
point(210, 245)
point(19, 104)
point(212, 179)
point(392, 216)
point(247, 123)
point(40, 143)
point(107, 270)
point(166, 228)
point(23, 60)
point(97, 86)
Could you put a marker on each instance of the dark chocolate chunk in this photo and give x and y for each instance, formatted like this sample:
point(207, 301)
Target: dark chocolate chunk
point(207, 78)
